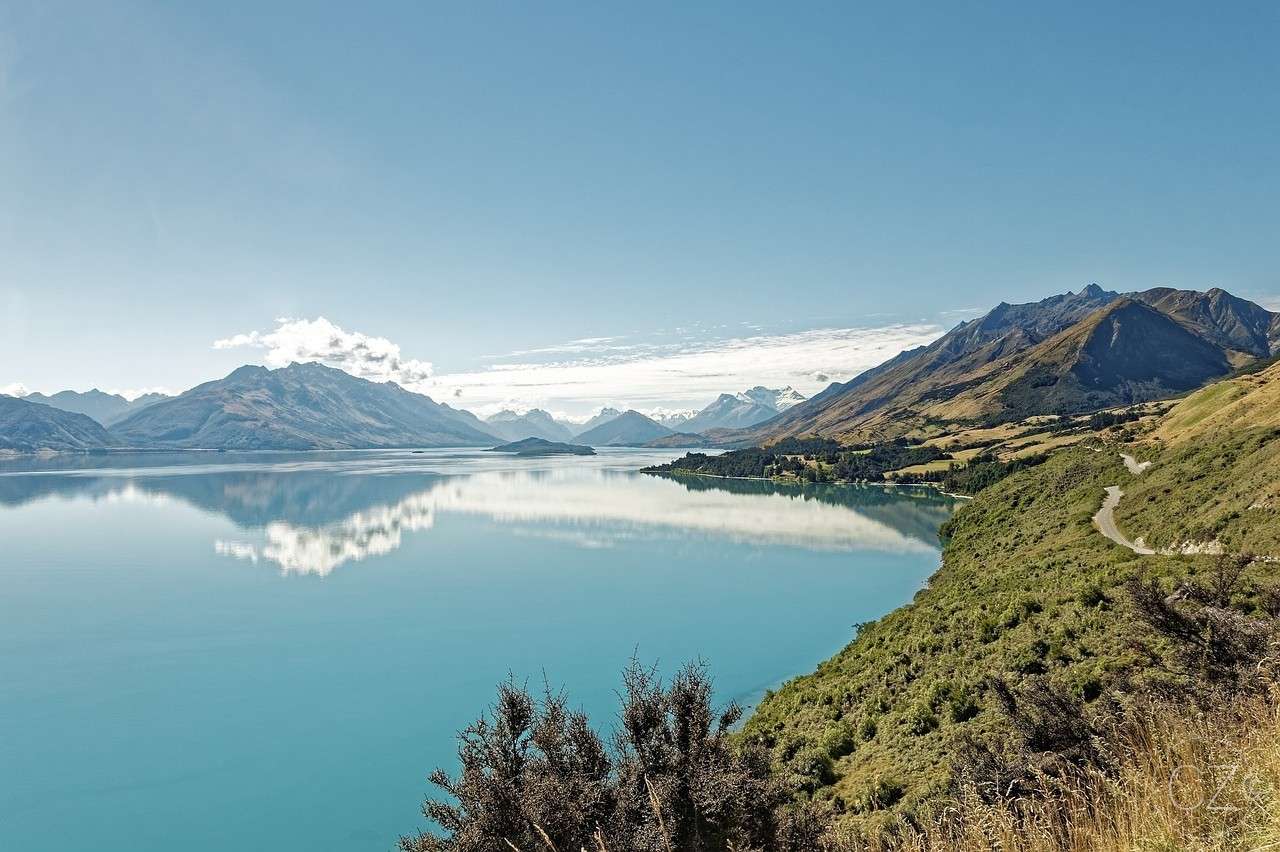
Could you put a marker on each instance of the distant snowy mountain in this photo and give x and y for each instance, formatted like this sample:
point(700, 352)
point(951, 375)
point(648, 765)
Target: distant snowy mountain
point(738, 411)
point(779, 399)
point(673, 419)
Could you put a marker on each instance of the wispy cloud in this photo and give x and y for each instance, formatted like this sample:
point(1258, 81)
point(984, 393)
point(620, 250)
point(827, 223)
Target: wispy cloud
point(374, 358)
point(582, 344)
point(682, 375)
point(15, 389)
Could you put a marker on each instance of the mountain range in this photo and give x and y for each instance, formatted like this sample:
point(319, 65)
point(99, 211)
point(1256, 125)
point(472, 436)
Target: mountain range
point(299, 407)
point(1069, 353)
point(106, 408)
point(736, 411)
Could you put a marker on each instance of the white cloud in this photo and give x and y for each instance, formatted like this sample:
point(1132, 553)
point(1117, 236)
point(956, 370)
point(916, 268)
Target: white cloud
point(15, 389)
point(302, 340)
point(133, 393)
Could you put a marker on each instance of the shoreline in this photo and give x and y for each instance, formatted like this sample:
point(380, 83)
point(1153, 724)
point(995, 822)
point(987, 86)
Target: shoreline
point(776, 481)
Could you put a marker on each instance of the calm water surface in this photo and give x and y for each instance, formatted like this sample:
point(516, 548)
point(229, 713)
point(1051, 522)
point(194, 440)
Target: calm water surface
point(271, 651)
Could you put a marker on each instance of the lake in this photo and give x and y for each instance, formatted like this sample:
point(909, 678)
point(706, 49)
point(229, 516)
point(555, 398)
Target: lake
point(272, 651)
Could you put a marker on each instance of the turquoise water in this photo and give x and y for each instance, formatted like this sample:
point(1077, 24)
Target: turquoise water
point(271, 652)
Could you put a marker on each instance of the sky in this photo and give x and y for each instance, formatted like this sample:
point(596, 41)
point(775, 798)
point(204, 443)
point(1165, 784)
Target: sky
point(574, 205)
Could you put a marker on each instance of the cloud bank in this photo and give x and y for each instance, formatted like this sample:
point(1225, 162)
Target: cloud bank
point(685, 375)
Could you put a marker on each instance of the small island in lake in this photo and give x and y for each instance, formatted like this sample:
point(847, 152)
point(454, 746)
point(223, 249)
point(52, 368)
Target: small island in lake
point(542, 447)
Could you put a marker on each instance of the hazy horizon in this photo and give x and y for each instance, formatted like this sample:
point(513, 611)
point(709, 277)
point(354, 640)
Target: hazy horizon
point(569, 207)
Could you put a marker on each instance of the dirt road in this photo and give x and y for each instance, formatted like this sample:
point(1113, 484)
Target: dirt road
point(1105, 521)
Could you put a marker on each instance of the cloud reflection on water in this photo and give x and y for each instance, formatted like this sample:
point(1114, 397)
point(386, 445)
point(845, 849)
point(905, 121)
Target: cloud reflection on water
point(585, 509)
point(308, 517)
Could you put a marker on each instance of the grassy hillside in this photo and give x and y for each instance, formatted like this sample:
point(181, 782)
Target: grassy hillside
point(1182, 781)
point(1027, 585)
point(1214, 482)
point(1028, 588)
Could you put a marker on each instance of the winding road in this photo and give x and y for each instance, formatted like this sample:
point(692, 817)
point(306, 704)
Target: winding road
point(1105, 519)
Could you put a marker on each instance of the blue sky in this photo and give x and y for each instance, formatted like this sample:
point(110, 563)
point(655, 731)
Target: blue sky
point(470, 181)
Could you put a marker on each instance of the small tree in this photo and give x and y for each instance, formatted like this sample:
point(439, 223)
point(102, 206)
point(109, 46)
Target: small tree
point(536, 776)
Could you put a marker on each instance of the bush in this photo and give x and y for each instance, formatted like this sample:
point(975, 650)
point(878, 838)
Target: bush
point(962, 707)
point(880, 794)
point(810, 769)
point(535, 775)
point(867, 728)
point(838, 741)
point(921, 720)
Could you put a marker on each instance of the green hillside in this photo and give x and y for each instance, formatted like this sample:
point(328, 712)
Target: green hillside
point(1029, 589)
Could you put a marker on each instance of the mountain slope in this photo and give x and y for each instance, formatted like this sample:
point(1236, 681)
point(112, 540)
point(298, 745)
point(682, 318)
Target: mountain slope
point(106, 408)
point(1250, 401)
point(31, 426)
point(299, 407)
point(984, 370)
point(629, 429)
point(534, 423)
point(1126, 352)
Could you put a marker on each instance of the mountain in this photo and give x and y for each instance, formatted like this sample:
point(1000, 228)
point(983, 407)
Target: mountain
point(779, 399)
point(605, 415)
point(27, 427)
point(729, 412)
point(542, 447)
point(106, 408)
point(534, 423)
point(1227, 321)
point(299, 407)
point(737, 411)
point(1008, 364)
point(1126, 352)
point(629, 429)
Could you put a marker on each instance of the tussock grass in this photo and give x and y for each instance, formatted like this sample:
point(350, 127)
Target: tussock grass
point(1181, 782)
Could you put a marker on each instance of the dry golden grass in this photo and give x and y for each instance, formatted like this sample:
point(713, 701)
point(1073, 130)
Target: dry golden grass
point(1204, 782)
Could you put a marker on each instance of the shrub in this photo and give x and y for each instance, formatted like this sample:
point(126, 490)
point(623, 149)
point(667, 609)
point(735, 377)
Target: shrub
point(838, 741)
point(921, 720)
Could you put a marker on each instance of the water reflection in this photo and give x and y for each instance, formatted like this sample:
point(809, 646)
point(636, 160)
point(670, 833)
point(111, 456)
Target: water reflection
point(310, 514)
